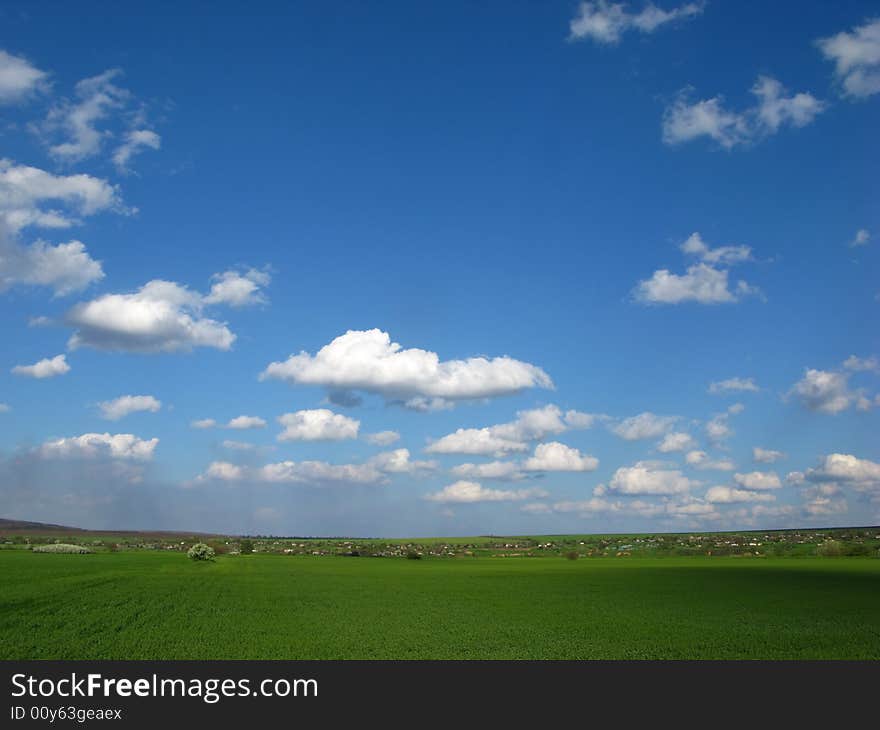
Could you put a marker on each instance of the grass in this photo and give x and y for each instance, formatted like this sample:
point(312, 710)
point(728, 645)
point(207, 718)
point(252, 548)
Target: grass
point(154, 605)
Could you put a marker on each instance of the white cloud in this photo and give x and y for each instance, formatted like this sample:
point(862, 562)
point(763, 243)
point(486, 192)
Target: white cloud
point(862, 237)
point(382, 438)
point(677, 441)
point(733, 385)
point(605, 22)
point(120, 407)
point(203, 423)
point(317, 473)
point(238, 290)
point(824, 391)
point(161, 316)
point(233, 445)
point(24, 191)
point(856, 57)
point(242, 423)
point(468, 492)
point(530, 425)
point(83, 123)
point(500, 470)
point(5, 408)
point(730, 495)
point(758, 480)
point(684, 121)
point(701, 460)
point(701, 283)
point(45, 368)
point(64, 268)
point(863, 474)
point(93, 445)
point(319, 424)
point(646, 425)
point(19, 78)
point(398, 461)
point(862, 364)
point(369, 361)
point(819, 506)
point(134, 142)
point(718, 428)
point(766, 456)
point(646, 478)
point(694, 245)
point(554, 456)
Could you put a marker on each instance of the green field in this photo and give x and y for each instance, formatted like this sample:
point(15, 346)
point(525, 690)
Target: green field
point(153, 605)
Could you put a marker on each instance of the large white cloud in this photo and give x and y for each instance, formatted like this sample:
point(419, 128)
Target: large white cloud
point(863, 474)
point(500, 470)
point(161, 316)
point(319, 424)
point(701, 283)
point(48, 367)
point(646, 425)
point(824, 391)
point(64, 268)
point(605, 22)
point(504, 438)
point(676, 441)
point(369, 361)
point(25, 190)
point(245, 422)
point(684, 120)
point(398, 461)
point(856, 57)
point(19, 78)
point(317, 473)
point(758, 480)
point(647, 478)
point(468, 492)
point(96, 445)
point(554, 456)
point(120, 407)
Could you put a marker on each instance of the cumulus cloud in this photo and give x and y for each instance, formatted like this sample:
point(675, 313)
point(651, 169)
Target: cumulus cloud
point(19, 78)
point(701, 460)
point(554, 456)
point(863, 474)
point(237, 289)
point(398, 461)
point(233, 445)
point(862, 364)
point(65, 268)
point(94, 445)
point(48, 367)
point(319, 424)
point(120, 407)
point(499, 470)
point(677, 441)
point(730, 495)
point(245, 422)
point(824, 391)
point(25, 191)
point(369, 361)
point(758, 480)
point(646, 425)
point(203, 423)
point(856, 58)
point(468, 492)
point(161, 316)
point(684, 121)
point(382, 438)
point(645, 478)
point(134, 142)
point(766, 456)
point(530, 425)
point(732, 385)
point(605, 22)
point(718, 427)
point(694, 245)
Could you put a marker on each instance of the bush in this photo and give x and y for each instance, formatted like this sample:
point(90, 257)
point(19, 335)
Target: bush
point(201, 551)
point(413, 555)
point(830, 549)
point(245, 547)
point(61, 548)
point(572, 555)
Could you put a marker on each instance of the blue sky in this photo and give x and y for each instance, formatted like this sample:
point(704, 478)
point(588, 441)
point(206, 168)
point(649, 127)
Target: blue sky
point(554, 226)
